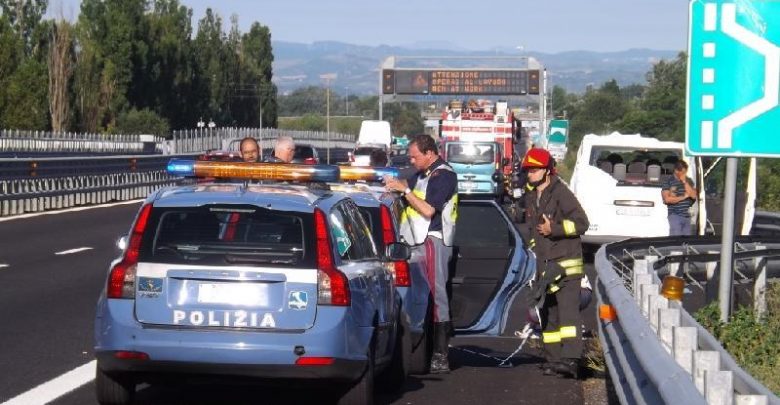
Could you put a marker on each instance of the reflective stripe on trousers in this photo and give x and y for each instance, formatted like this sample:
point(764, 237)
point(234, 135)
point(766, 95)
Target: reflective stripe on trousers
point(437, 269)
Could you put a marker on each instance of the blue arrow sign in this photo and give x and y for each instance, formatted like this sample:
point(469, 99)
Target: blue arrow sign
point(733, 78)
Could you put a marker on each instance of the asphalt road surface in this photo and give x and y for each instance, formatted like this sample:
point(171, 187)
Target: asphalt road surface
point(52, 268)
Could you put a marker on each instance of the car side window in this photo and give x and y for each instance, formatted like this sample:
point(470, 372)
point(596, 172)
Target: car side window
point(363, 231)
point(344, 239)
point(349, 230)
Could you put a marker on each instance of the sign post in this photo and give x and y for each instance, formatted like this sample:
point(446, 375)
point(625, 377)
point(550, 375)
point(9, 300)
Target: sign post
point(732, 98)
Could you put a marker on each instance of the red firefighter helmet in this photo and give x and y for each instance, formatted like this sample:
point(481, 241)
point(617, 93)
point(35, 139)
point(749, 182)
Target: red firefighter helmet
point(538, 157)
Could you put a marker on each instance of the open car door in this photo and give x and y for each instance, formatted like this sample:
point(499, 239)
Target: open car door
point(490, 265)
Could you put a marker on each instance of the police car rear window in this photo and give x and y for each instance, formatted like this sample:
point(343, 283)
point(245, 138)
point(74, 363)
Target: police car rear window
point(229, 235)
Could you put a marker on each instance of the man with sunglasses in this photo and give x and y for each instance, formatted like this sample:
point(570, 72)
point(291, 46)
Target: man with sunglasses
point(556, 221)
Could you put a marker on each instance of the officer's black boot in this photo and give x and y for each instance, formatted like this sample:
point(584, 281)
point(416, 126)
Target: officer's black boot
point(440, 361)
point(569, 368)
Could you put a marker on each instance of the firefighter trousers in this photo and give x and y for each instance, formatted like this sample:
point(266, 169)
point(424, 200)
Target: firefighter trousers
point(562, 322)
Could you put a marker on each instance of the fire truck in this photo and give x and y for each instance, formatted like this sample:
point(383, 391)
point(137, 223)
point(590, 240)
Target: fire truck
point(481, 121)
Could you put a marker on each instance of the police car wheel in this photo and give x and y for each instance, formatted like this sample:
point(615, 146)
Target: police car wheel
point(113, 389)
point(393, 377)
point(421, 356)
point(362, 391)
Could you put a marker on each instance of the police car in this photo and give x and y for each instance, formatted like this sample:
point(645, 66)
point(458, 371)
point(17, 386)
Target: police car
point(275, 281)
point(490, 263)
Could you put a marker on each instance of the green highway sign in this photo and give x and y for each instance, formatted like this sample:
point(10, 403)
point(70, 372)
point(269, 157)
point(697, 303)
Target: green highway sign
point(559, 129)
point(733, 78)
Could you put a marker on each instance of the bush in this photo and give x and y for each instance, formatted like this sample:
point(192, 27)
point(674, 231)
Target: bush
point(753, 342)
point(141, 122)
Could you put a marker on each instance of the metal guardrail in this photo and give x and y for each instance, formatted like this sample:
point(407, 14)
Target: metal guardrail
point(655, 351)
point(16, 142)
point(33, 185)
point(188, 141)
point(766, 223)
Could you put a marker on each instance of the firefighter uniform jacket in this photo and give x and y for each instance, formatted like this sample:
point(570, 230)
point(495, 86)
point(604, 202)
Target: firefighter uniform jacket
point(568, 222)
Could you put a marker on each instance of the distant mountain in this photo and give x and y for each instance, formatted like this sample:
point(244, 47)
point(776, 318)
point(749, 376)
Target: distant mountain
point(357, 66)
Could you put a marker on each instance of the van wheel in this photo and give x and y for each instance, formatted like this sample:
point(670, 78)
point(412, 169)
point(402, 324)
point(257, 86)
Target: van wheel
point(362, 391)
point(392, 379)
point(113, 389)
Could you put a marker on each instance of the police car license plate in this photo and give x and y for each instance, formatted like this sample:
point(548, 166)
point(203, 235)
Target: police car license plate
point(517, 193)
point(468, 185)
point(243, 294)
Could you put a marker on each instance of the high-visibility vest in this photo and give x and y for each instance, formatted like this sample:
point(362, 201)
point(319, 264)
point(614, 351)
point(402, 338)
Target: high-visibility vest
point(414, 226)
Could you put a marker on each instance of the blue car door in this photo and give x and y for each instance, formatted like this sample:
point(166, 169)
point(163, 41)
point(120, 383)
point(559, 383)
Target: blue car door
point(490, 264)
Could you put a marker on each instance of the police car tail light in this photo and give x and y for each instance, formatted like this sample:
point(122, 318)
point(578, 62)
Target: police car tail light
point(253, 171)
point(332, 285)
point(400, 269)
point(121, 281)
point(359, 173)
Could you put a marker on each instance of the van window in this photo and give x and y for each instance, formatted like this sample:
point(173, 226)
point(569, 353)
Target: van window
point(216, 235)
point(635, 167)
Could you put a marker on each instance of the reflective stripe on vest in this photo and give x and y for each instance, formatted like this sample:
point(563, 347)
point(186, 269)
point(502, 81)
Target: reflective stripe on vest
point(414, 226)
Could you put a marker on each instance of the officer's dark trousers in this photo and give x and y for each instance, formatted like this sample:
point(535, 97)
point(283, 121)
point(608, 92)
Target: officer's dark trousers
point(562, 323)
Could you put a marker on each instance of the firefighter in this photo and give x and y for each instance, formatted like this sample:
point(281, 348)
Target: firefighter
point(555, 220)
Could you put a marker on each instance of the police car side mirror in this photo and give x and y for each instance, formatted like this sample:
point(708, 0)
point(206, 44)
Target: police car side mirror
point(121, 243)
point(397, 251)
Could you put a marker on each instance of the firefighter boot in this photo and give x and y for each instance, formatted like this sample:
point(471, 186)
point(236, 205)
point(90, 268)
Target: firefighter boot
point(568, 368)
point(440, 360)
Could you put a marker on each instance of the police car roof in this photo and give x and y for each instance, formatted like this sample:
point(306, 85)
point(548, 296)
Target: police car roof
point(285, 197)
point(364, 195)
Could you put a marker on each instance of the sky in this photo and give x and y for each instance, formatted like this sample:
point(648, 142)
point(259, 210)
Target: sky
point(548, 26)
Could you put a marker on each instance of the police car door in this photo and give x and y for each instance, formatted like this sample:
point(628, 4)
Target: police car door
point(490, 264)
point(370, 282)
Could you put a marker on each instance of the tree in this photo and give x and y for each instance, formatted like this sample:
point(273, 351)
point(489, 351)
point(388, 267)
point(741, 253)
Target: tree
point(60, 71)
point(664, 99)
point(141, 122)
point(27, 95)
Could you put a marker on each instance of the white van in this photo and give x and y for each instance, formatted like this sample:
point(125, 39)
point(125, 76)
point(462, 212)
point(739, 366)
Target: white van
point(374, 134)
point(617, 180)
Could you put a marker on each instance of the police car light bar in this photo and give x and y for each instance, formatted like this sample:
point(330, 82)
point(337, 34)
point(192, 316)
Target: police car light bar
point(253, 171)
point(356, 173)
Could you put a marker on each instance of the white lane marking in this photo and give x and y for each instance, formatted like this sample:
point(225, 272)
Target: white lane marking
point(2, 265)
point(53, 389)
point(37, 214)
point(71, 251)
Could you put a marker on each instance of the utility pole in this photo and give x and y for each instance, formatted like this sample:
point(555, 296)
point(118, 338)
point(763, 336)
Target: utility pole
point(328, 77)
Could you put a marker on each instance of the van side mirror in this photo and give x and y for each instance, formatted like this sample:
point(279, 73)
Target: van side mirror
point(397, 251)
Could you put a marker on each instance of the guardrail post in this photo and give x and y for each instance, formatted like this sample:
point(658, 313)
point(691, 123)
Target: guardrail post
point(684, 345)
point(674, 268)
point(704, 360)
point(759, 286)
point(657, 303)
point(668, 319)
point(648, 290)
point(719, 387)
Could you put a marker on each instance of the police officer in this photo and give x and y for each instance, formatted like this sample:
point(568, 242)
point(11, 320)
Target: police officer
point(556, 221)
point(428, 223)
